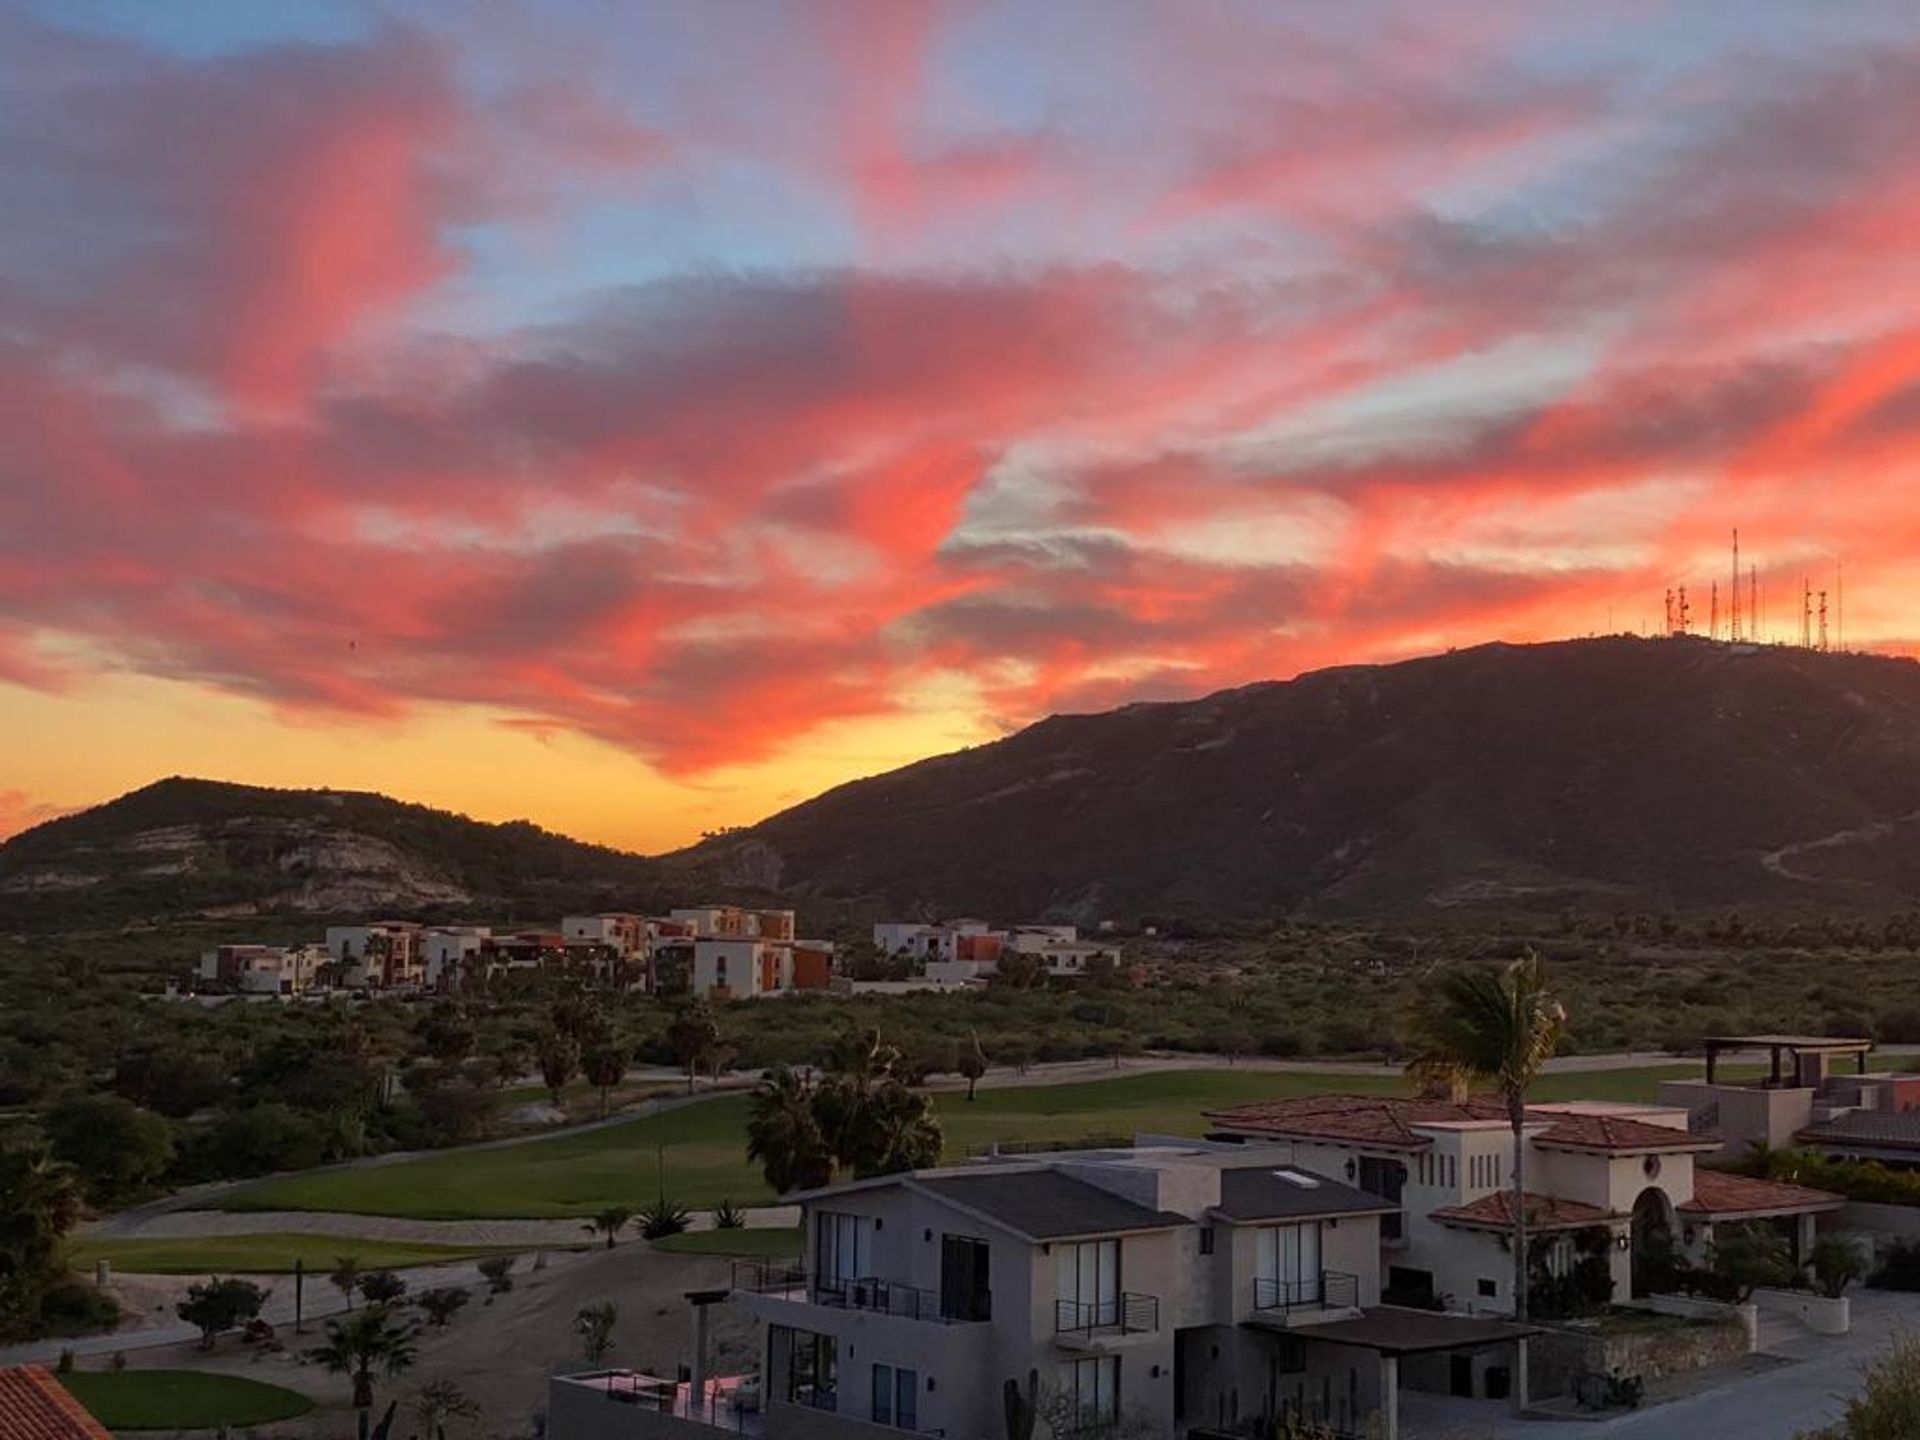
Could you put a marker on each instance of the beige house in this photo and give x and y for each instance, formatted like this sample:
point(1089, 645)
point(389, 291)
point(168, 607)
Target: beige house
point(1597, 1172)
point(1171, 1287)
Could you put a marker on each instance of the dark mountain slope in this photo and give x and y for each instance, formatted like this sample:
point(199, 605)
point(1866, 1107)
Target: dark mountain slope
point(1613, 772)
point(198, 847)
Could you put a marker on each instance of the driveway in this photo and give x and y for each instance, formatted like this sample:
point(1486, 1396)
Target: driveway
point(1802, 1393)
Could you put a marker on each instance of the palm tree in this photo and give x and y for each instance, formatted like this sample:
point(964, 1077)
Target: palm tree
point(362, 1344)
point(1496, 1026)
point(610, 1222)
point(783, 1133)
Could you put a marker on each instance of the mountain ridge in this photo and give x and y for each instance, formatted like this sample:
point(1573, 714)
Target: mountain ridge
point(1617, 772)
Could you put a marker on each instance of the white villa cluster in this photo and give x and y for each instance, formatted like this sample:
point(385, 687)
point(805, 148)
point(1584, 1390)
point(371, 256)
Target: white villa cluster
point(1310, 1260)
point(717, 950)
point(963, 952)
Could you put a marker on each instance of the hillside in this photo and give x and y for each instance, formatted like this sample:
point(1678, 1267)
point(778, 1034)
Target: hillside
point(198, 848)
point(1618, 773)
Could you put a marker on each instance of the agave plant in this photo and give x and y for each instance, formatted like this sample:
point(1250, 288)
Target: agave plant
point(663, 1218)
point(729, 1216)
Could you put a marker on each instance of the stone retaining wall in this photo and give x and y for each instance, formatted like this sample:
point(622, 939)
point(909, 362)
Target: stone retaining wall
point(1560, 1356)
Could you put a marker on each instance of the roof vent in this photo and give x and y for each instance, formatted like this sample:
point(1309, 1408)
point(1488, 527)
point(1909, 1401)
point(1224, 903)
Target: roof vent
point(1295, 1177)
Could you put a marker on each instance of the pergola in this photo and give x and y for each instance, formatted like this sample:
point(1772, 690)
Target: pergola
point(1826, 1046)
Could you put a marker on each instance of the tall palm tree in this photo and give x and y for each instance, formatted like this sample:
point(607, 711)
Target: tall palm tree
point(40, 1201)
point(1498, 1027)
point(783, 1133)
point(366, 1342)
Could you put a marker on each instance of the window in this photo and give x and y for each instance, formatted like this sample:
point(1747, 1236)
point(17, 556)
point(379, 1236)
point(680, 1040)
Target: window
point(1286, 1266)
point(1093, 1388)
point(1489, 1289)
point(1088, 1275)
point(964, 1284)
point(842, 1248)
point(811, 1364)
point(1206, 1240)
point(896, 1397)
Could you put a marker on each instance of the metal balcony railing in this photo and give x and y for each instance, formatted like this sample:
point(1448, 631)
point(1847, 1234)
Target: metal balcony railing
point(1124, 1314)
point(868, 1293)
point(1330, 1289)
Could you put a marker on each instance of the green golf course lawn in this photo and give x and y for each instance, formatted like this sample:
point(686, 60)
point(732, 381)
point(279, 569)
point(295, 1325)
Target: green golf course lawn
point(180, 1399)
point(702, 1147)
point(259, 1254)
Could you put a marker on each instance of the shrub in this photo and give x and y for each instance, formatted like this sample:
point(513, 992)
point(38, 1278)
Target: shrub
point(441, 1304)
point(663, 1218)
point(74, 1307)
point(1836, 1263)
point(382, 1287)
point(1899, 1268)
point(729, 1216)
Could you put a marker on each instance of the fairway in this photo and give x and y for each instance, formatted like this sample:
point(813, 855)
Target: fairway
point(180, 1399)
point(258, 1254)
point(701, 1147)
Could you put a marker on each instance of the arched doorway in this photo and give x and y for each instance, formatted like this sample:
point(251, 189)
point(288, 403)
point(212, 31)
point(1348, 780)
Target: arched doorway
point(1654, 1254)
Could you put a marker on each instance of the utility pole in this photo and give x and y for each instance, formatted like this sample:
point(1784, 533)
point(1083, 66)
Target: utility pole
point(1733, 598)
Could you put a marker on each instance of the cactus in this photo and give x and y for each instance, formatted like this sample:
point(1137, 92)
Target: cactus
point(1022, 1410)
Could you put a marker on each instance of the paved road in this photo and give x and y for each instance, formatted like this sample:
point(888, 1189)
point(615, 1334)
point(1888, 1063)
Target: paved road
point(320, 1300)
point(1803, 1392)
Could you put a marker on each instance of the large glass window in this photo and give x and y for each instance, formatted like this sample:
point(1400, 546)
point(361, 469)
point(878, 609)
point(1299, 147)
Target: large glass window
point(810, 1364)
point(1093, 1386)
point(1286, 1265)
point(964, 1285)
point(896, 1397)
point(842, 1248)
point(1089, 1284)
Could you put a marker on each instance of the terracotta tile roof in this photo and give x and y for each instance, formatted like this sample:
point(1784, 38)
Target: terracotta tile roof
point(1544, 1212)
point(1616, 1135)
point(1878, 1129)
point(35, 1406)
point(1715, 1192)
point(1383, 1120)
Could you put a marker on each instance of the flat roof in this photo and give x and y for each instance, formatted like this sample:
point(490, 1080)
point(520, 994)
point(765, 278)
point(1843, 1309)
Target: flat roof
point(1786, 1042)
point(1045, 1204)
point(1396, 1330)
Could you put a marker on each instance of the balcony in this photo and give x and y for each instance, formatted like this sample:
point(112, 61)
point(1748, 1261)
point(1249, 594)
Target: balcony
point(1329, 1290)
point(1079, 1323)
point(651, 1408)
point(867, 1293)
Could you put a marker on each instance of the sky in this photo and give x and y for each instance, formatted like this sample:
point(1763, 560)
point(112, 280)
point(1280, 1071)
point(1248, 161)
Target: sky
point(640, 417)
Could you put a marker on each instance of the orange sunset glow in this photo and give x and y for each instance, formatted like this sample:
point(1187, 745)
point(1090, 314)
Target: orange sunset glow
point(641, 420)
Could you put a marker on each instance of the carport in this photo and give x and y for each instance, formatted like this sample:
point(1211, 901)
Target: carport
point(1394, 1333)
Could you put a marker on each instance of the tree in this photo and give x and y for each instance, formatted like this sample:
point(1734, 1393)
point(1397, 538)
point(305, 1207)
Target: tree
point(594, 1325)
point(220, 1305)
point(694, 1036)
point(1836, 1263)
point(610, 1222)
point(973, 1062)
point(118, 1148)
point(363, 1345)
point(440, 1401)
point(441, 1303)
point(172, 1079)
point(559, 1057)
point(1888, 1407)
point(604, 1066)
point(783, 1133)
point(40, 1202)
point(1018, 970)
point(1750, 1256)
point(345, 1277)
point(497, 1271)
point(1498, 1026)
point(381, 1287)
point(873, 1123)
